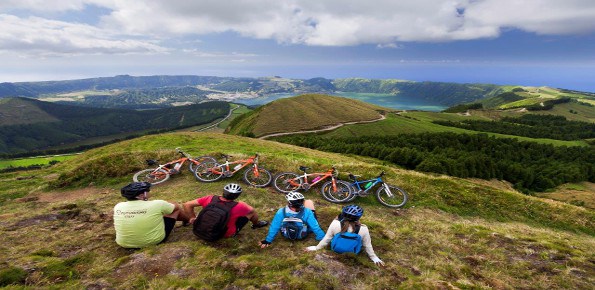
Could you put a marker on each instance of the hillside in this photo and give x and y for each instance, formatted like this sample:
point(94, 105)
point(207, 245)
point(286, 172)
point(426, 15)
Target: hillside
point(454, 233)
point(305, 112)
point(28, 124)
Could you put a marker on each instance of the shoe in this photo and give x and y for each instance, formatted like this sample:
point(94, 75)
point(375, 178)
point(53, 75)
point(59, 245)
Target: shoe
point(260, 224)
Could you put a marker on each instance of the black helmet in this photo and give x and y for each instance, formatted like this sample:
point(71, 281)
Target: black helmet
point(352, 212)
point(232, 191)
point(132, 190)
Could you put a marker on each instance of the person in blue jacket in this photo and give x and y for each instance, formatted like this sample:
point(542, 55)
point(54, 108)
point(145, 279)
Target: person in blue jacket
point(295, 220)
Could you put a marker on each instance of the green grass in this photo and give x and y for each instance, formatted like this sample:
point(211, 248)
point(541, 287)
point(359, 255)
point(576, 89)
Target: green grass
point(420, 122)
point(23, 162)
point(453, 232)
point(305, 112)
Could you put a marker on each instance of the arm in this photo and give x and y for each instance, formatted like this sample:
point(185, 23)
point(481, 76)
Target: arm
point(367, 245)
point(333, 229)
point(312, 222)
point(189, 209)
point(275, 225)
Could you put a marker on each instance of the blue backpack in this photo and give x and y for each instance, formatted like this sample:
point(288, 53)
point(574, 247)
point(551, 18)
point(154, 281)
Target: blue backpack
point(294, 228)
point(347, 242)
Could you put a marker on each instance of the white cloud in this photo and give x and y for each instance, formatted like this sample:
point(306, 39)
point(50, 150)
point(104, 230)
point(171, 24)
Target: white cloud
point(135, 26)
point(43, 37)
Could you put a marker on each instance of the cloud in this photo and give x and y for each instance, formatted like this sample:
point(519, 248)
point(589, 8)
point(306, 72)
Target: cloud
point(43, 37)
point(354, 22)
point(135, 27)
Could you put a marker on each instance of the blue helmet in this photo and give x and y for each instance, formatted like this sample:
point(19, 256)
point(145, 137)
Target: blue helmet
point(352, 212)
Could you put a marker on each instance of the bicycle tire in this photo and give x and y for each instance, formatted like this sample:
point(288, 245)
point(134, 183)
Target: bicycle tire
point(204, 172)
point(200, 159)
point(153, 176)
point(281, 182)
point(263, 179)
point(396, 199)
point(341, 195)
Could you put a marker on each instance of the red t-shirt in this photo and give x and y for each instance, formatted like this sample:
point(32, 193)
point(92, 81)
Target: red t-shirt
point(240, 210)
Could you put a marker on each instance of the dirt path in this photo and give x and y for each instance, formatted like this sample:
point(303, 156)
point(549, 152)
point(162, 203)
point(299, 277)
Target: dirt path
point(330, 128)
point(214, 125)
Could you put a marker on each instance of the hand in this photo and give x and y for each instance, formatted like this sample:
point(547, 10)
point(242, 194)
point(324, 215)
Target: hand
point(311, 248)
point(263, 244)
point(377, 261)
point(191, 221)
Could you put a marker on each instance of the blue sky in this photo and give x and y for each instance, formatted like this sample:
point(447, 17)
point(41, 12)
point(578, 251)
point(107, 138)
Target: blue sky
point(532, 42)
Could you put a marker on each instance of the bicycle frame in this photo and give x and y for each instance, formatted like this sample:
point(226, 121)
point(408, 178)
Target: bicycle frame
point(243, 163)
point(323, 175)
point(357, 184)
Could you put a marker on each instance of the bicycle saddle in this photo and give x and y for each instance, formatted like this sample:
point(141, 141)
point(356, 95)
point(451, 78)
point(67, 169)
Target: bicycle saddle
point(353, 176)
point(226, 156)
point(151, 162)
point(304, 168)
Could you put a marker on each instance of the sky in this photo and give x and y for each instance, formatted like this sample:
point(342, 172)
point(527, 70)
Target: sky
point(514, 42)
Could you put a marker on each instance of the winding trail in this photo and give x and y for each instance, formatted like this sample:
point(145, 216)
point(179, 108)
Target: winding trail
point(330, 128)
point(215, 124)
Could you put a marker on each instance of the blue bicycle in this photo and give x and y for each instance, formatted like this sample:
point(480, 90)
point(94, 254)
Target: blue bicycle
point(388, 195)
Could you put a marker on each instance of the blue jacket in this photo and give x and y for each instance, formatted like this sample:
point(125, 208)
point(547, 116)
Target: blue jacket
point(308, 219)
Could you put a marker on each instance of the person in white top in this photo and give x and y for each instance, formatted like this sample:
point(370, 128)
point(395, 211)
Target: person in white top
point(348, 221)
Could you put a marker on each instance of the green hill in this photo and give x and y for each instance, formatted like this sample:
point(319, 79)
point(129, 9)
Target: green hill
point(454, 233)
point(305, 112)
point(29, 124)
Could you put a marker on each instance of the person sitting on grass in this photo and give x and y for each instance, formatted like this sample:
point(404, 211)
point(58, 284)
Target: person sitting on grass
point(222, 216)
point(140, 222)
point(347, 234)
point(295, 221)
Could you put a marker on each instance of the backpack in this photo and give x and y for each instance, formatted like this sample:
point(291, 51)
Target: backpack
point(211, 223)
point(346, 242)
point(294, 228)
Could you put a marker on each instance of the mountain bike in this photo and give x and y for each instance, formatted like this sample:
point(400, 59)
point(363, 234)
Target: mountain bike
point(388, 195)
point(164, 171)
point(286, 182)
point(254, 175)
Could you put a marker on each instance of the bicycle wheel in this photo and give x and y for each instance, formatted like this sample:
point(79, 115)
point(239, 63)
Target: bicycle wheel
point(200, 159)
point(391, 196)
point(152, 176)
point(208, 171)
point(286, 182)
point(342, 194)
point(263, 179)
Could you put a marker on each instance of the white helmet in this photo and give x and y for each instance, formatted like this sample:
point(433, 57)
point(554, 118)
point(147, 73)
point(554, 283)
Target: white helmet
point(295, 199)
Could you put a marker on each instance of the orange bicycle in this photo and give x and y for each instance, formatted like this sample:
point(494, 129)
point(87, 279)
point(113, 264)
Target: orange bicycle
point(288, 181)
point(254, 175)
point(164, 171)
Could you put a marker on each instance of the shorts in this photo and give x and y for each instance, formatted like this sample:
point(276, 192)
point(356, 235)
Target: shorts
point(240, 223)
point(169, 226)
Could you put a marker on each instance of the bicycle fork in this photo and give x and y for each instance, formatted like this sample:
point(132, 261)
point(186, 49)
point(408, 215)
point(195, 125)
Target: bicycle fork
point(387, 190)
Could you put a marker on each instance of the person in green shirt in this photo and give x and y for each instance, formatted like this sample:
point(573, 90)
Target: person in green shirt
point(140, 222)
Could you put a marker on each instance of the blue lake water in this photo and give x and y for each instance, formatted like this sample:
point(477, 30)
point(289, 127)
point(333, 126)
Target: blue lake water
point(384, 100)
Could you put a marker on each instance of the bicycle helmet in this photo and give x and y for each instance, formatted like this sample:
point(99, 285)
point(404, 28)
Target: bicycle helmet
point(295, 199)
point(352, 212)
point(231, 191)
point(132, 190)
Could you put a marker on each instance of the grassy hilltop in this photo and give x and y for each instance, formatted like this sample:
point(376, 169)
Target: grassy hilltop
point(305, 112)
point(56, 229)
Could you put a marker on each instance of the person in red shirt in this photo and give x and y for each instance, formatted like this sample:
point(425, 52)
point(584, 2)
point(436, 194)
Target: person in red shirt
point(239, 215)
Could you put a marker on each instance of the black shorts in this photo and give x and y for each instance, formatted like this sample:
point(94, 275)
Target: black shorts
point(169, 226)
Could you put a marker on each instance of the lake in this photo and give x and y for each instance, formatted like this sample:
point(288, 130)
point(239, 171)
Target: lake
point(384, 100)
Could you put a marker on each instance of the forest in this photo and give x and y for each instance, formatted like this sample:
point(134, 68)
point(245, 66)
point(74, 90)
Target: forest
point(529, 166)
point(82, 123)
point(530, 125)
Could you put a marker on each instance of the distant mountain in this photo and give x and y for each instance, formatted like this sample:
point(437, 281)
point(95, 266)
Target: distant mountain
point(160, 91)
point(28, 124)
point(304, 112)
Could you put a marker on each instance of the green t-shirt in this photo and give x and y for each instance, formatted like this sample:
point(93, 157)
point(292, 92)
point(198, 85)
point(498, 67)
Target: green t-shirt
point(140, 223)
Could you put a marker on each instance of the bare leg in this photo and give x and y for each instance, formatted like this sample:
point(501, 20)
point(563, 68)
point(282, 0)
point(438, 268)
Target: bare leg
point(179, 214)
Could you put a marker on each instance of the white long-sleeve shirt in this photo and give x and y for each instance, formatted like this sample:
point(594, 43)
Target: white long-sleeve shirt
point(335, 228)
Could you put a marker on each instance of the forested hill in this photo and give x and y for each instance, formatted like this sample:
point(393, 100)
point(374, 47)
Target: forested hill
point(446, 94)
point(28, 124)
